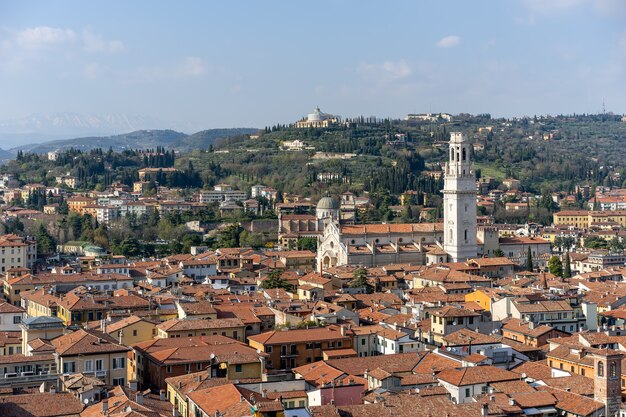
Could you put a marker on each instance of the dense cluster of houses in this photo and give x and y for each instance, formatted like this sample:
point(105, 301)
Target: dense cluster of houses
point(199, 335)
point(460, 317)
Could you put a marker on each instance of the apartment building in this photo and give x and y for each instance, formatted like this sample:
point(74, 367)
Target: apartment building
point(16, 252)
point(292, 348)
point(92, 352)
point(151, 362)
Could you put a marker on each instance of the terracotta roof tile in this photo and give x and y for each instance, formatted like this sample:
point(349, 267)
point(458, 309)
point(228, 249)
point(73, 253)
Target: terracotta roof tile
point(476, 375)
point(40, 405)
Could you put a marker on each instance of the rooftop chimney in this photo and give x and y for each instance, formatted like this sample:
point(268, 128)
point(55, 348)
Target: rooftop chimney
point(139, 398)
point(485, 410)
point(105, 406)
point(162, 395)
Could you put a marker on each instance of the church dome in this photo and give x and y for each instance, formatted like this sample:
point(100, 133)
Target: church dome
point(327, 203)
point(316, 116)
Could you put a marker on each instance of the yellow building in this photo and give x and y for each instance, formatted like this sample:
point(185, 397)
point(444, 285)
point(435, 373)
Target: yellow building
point(154, 361)
point(576, 360)
point(551, 234)
point(484, 297)
point(78, 203)
point(131, 330)
point(39, 303)
point(448, 319)
point(36, 329)
point(583, 219)
point(230, 327)
point(140, 186)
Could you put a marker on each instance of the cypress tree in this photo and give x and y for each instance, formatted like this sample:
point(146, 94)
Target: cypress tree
point(567, 267)
point(529, 260)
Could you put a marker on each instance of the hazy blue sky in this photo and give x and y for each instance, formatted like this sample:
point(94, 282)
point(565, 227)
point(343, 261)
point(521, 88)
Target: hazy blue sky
point(255, 63)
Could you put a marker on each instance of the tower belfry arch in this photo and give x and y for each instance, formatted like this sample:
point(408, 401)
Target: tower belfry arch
point(459, 193)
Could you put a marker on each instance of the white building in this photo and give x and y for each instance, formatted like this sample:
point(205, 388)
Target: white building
point(464, 384)
point(198, 269)
point(16, 252)
point(430, 117)
point(10, 317)
point(376, 244)
point(460, 201)
point(218, 195)
point(317, 119)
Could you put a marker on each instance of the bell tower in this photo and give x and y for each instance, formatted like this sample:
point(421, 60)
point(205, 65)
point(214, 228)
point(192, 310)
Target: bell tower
point(607, 379)
point(459, 201)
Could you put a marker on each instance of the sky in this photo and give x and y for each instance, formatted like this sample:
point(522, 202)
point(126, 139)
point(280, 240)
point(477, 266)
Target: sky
point(257, 63)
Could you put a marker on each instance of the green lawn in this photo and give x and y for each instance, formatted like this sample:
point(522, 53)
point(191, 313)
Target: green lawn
point(488, 170)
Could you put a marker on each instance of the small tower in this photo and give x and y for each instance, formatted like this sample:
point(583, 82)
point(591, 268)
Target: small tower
point(348, 208)
point(459, 205)
point(607, 379)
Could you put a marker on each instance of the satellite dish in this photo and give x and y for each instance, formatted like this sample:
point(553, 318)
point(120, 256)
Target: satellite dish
point(212, 356)
point(86, 401)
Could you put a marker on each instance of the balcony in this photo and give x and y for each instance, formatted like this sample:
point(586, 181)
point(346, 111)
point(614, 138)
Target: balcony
point(97, 374)
point(7, 380)
point(289, 353)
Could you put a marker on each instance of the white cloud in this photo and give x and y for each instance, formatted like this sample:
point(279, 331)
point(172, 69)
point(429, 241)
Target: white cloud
point(396, 70)
point(613, 8)
point(387, 71)
point(91, 71)
point(550, 6)
point(192, 66)
point(449, 41)
point(44, 36)
point(94, 43)
point(25, 49)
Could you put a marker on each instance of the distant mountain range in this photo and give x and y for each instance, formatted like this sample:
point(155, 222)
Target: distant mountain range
point(38, 128)
point(140, 139)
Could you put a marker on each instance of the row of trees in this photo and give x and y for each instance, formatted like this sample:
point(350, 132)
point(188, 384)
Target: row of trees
point(275, 279)
point(560, 268)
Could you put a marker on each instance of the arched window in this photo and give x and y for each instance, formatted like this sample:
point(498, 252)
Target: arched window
point(612, 370)
point(464, 154)
point(465, 235)
point(600, 368)
point(452, 155)
point(451, 236)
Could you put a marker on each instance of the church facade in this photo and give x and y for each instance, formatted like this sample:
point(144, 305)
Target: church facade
point(457, 239)
point(376, 244)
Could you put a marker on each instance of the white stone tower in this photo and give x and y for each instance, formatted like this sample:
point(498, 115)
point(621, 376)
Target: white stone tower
point(459, 201)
